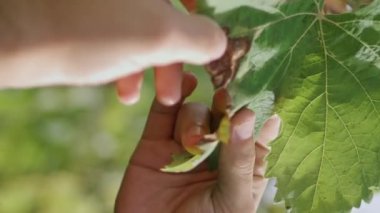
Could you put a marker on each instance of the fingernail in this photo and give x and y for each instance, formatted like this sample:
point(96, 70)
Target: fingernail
point(195, 130)
point(276, 119)
point(193, 136)
point(168, 101)
point(129, 100)
point(244, 131)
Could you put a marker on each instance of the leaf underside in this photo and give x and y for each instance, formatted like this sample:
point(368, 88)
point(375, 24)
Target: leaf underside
point(325, 73)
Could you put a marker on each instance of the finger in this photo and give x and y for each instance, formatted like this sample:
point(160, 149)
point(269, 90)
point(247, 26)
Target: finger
point(191, 38)
point(128, 88)
point(270, 130)
point(193, 123)
point(236, 164)
point(268, 133)
point(161, 120)
point(221, 103)
point(169, 83)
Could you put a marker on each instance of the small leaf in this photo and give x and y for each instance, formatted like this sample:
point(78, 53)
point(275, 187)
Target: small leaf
point(224, 130)
point(185, 162)
point(194, 150)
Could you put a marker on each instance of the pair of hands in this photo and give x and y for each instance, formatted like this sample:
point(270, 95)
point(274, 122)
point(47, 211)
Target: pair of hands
point(92, 42)
point(238, 184)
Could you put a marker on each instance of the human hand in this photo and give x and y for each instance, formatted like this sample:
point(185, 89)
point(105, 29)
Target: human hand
point(237, 186)
point(87, 42)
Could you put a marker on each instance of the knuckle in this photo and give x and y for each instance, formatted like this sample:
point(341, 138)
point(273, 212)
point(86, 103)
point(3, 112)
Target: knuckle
point(243, 169)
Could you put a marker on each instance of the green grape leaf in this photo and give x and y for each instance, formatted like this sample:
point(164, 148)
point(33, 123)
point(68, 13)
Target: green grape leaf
point(356, 4)
point(184, 162)
point(325, 73)
point(262, 105)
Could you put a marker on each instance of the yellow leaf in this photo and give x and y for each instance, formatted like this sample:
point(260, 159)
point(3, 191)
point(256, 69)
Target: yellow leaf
point(224, 130)
point(194, 150)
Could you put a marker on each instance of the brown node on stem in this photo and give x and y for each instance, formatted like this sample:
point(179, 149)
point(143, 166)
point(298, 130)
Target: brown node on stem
point(223, 70)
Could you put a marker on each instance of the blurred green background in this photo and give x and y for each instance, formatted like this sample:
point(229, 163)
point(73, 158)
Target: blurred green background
point(65, 149)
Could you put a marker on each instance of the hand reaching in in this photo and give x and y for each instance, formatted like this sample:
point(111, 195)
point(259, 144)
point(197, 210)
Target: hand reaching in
point(91, 42)
point(238, 184)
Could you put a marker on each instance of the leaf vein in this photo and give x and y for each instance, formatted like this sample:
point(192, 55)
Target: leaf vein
point(358, 81)
point(357, 20)
point(295, 128)
point(323, 43)
point(353, 36)
point(303, 160)
point(263, 26)
point(352, 141)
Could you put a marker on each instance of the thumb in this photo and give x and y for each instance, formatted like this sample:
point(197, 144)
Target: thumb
point(237, 162)
point(193, 38)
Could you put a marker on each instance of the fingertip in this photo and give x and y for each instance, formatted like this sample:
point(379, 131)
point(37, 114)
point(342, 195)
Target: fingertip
point(193, 121)
point(197, 39)
point(276, 119)
point(243, 124)
point(191, 137)
point(221, 45)
point(244, 115)
point(270, 130)
point(167, 100)
point(222, 101)
point(218, 43)
point(129, 99)
point(275, 124)
point(128, 88)
point(169, 83)
point(189, 84)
